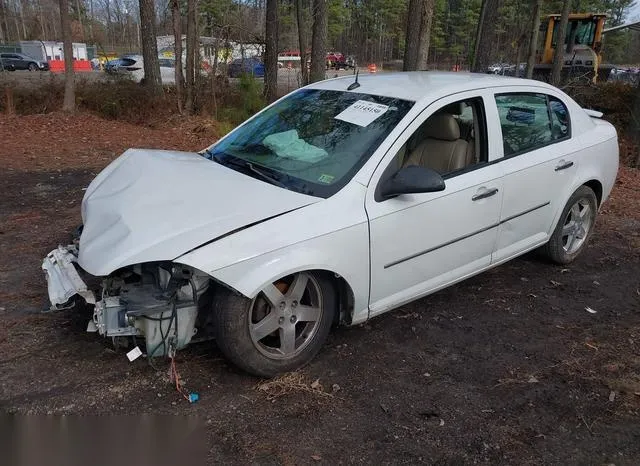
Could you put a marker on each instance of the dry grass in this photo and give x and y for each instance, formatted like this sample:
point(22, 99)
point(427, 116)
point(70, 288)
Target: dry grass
point(291, 382)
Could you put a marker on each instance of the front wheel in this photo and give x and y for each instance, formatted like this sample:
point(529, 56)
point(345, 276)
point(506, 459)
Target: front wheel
point(281, 329)
point(574, 227)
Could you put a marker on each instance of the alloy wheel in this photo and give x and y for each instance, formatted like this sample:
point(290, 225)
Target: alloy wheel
point(286, 316)
point(577, 225)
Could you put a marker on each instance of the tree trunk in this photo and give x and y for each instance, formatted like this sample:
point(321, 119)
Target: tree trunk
point(635, 124)
point(271, 52)
point(558, 55)
point(149, 44)
point(69, 104)
point(80, 19)
point(533, 38)
point(319, 41)
point(24, 26)
point(485, 36)
point(107, 9)
point(412, 37)
point(302, 41)
point(426, 19)
point(479, 30)
point(192, 45)
point(91, 19)
point(4, 32)
point(177, 37)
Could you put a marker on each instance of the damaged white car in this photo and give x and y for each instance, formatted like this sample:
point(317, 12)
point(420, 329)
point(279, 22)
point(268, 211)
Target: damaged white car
point(339, 202)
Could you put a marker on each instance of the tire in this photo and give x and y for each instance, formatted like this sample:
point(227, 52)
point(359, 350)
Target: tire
point(241, 324)
point(33, 67)
point(570, 236)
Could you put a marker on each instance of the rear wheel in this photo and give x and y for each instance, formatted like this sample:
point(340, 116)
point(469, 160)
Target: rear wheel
point(33, 67)
point(574, 227)
point(281, 329)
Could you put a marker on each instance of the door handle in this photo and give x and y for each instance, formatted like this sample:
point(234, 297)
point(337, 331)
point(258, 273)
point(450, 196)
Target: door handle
point(485, 194)
point(563, 166)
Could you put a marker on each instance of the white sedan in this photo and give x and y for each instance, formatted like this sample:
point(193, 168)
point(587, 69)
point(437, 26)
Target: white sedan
point(339, 202)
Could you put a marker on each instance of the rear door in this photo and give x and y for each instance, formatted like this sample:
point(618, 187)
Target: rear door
point(539, 164)
point(21, 62)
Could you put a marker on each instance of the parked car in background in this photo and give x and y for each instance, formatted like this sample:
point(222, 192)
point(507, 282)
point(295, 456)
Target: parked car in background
point(251, 65)
point(6, 65)
point(629, 75)
point(132, 66)
point(167, 70)
point(340, 65)
point(335, 57)
point(339, 204)
point(496, 68)
point(20, 61)
point(506, 69)
point(126, 65)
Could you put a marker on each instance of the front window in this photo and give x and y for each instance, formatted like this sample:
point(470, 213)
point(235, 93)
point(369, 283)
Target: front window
point(312, 142)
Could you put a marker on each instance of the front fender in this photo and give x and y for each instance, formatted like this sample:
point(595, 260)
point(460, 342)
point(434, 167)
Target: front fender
point(331, 235)
point(326, 252)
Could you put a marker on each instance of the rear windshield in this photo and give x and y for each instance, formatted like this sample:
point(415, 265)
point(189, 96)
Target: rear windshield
point(313, 141)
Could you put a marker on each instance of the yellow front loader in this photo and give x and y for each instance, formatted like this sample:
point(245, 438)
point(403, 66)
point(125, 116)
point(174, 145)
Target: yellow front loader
point(581, 45)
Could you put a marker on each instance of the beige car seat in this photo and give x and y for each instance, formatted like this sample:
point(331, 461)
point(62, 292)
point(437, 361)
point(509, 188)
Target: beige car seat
point(441, 147)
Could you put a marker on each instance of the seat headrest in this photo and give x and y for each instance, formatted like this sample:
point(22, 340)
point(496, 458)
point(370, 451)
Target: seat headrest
point(442, 126)
point(456, 108)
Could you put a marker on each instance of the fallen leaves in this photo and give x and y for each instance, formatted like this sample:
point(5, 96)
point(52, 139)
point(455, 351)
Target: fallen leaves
point(67, 148)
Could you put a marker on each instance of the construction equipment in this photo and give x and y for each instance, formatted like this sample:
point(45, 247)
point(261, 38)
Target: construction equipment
point(582, 47)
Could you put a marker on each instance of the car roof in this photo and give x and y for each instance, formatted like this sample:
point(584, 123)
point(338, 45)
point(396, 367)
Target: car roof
point(416, 85)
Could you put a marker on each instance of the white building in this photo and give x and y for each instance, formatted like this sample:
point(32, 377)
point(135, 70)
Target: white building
point(49, 50)
point(209, 46)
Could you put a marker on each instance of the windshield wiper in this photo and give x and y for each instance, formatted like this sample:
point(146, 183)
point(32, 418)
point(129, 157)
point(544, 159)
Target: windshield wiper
point(265, 176)
point(245, 164)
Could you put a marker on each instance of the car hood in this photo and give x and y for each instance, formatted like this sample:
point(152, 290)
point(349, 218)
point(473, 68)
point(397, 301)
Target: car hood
point(151, 205)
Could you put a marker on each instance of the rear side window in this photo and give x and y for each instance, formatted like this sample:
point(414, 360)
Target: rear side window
point(560, 123)
point(525, 122)
point(530, 121)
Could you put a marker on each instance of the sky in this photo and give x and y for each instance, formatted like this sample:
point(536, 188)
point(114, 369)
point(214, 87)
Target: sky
point(635, 12)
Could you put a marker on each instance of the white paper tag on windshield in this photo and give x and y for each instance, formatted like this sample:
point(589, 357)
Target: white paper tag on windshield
point(362, 113)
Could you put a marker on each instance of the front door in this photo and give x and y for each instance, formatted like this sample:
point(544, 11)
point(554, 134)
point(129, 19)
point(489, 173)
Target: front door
point(423, 242)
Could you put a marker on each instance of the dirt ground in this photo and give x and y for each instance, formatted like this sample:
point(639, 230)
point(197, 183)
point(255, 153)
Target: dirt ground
point(505, 368)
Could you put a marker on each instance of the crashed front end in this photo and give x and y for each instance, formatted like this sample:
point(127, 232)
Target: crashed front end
point(158, 302)
point(144, 211)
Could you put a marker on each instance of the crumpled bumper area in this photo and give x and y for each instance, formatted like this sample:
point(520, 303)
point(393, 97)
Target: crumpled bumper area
point(63, 280)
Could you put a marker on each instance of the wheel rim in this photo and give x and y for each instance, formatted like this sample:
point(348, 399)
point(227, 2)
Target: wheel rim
point(576, 226)
point(32, 67)
point(285, 316)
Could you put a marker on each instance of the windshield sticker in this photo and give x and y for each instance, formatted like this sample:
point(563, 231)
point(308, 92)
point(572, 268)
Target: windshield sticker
point(326, 179)
point(362, 113)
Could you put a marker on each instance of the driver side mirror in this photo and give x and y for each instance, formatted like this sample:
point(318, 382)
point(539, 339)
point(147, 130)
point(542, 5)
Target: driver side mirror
point(411, 180)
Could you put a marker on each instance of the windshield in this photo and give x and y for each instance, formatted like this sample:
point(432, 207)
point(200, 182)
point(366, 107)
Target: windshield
point(313, 141)
point(579, 32)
